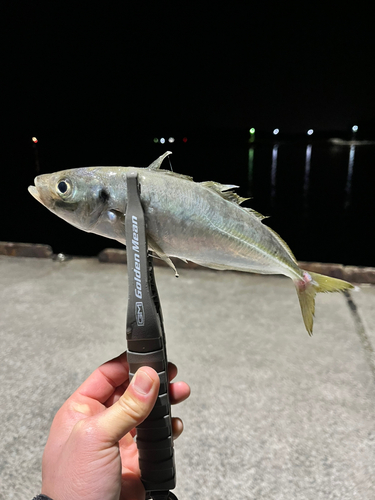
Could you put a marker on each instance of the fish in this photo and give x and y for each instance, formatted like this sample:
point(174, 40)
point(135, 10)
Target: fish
point(201, 222)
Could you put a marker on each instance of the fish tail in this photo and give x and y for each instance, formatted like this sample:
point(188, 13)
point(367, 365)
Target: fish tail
point(311, 284)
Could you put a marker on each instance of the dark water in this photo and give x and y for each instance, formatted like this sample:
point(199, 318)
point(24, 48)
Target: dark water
point(319, 195)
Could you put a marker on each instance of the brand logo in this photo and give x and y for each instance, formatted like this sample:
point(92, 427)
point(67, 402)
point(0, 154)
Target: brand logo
point(139, 309)
point(137, 260)
point(140, 313)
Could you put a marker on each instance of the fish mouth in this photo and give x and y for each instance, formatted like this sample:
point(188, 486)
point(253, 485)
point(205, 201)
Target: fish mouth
point(40, 191)
point(34, 192)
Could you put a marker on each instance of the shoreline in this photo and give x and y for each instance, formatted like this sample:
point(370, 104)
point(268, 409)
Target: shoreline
point(351, 273)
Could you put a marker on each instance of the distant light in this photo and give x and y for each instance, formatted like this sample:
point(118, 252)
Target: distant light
point(355, 128)
point(162, 140)
point(34, 139)
point(156, 140)
point(275, 131)
point(310, 131)
point(184, 139)
point(171, 139)
point(252, 130)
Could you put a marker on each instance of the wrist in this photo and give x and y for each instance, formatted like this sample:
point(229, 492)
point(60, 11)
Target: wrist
point(42, 497)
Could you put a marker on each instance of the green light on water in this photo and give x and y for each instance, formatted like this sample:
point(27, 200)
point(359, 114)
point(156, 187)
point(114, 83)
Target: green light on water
point(250, 171)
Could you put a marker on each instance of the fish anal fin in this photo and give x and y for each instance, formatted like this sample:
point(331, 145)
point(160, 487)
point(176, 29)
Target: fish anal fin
point(161, 254)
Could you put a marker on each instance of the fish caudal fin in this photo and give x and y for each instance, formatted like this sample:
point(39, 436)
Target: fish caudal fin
point(309, 286)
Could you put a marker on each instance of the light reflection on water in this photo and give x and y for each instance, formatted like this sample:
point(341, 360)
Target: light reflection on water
point(307, 173)
point(274, 172)
point(348, 187)
point(273, 169)
point(319, 193)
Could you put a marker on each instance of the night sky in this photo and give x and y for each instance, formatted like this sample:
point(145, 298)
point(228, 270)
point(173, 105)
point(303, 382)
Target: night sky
point(112, 66)
point(96, 81)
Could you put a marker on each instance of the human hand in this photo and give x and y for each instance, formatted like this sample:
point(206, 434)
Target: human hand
point(90, 452)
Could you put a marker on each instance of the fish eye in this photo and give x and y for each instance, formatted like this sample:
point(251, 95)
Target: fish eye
point(64, 187)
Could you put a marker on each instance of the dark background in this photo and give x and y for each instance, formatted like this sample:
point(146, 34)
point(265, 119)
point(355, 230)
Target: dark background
point(97, 82)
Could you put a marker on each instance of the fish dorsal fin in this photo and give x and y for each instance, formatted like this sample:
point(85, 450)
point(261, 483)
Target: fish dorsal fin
point(155, 165)
point(283, 244)
point(216, 186)
point(175, 174)
point(255, 213)
point(225, 191)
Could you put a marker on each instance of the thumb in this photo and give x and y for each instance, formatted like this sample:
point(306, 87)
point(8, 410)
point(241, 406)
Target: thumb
point(132, 408)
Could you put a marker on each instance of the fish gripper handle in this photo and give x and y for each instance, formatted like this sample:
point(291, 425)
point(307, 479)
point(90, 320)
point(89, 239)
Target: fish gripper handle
point(146, 347)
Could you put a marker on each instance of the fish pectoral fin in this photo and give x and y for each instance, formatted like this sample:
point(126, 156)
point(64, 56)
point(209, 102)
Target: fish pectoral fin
point(119, 216)
point(155, 165)
point(162, 255)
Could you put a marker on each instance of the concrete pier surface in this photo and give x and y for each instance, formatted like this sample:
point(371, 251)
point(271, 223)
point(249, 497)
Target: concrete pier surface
point(273, 414)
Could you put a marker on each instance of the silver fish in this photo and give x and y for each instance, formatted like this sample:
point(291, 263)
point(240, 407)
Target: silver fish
point(200, 222)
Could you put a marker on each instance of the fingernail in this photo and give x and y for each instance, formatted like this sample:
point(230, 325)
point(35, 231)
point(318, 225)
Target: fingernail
point(142, 382)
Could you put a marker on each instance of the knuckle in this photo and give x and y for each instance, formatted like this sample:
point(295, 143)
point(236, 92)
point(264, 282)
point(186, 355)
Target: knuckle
point(132, 408)
point(86, 428)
